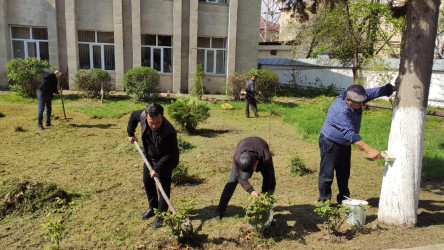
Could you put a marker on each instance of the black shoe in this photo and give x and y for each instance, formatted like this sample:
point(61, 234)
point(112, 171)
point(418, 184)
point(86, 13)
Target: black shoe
point(40, 126)
point(148, 214)
point(218, 215)
point(158, 223)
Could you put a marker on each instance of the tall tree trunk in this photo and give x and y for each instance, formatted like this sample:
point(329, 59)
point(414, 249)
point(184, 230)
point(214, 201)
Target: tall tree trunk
point(398, 203)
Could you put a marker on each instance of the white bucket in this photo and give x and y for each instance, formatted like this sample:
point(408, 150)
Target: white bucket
point(357, 217)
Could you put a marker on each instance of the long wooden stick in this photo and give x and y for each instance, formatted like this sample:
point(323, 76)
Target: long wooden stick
point(159, 186)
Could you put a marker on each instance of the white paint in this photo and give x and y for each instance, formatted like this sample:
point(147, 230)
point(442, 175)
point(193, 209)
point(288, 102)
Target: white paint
point(398, 202)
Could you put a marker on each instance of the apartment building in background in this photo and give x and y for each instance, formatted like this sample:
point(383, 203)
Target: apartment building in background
point(171, 36)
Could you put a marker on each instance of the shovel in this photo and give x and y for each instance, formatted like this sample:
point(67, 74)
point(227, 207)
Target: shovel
point(159, 186)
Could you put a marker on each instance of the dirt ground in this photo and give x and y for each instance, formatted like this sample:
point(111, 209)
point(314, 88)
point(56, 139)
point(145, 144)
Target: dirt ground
point(94, 158)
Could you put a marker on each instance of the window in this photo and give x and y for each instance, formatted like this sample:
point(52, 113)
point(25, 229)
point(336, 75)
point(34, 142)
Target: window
point(29, 42)
point(157, 52)
point(211, 54)
point(96, 50)
point(214, 1)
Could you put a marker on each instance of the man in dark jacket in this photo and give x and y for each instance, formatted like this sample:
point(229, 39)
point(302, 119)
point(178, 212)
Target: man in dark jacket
point(161, 149)
point(340, 130)
point(47, 87)
point(249, 96)
point(252, 155)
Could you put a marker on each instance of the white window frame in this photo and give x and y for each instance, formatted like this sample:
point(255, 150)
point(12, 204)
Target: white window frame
point(153, 47)
point(213, 71)
point(102, 51)
point(26, 41)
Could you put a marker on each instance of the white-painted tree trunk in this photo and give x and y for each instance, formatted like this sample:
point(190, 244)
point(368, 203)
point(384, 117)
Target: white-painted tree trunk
point(398, 203)
point(400, 187)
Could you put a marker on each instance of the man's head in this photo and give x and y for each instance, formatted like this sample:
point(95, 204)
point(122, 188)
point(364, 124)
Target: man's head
point(247, 164)
point(355, 96)
point(154, 114)
point(59, 75)
point(253, 77)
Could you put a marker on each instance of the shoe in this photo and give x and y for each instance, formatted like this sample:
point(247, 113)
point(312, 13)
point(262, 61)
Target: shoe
point(49, 125)
point(158, 223)
point(40, 126)
point(218, 215)
point(147, 214)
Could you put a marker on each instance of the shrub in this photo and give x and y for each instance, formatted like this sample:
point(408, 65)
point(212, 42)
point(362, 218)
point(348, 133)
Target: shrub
point(334, 216)
point(184, 145)
point(235, 83)
point(25, 75)
point(297, 166)
point(258, 211)
point(267, 81)
point(198, 84)
point(180, 173)
point(179, 224)
point(91, 82)
point(143, 82)
point(189, 112)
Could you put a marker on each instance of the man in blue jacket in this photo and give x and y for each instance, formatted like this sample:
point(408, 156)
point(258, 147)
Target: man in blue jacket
point(45, 92)
point(162, 152)
point(340, 130)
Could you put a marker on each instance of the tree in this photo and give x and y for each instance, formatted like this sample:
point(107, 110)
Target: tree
point(398, 202)
point(401, 183)
point(198, 84)
point(351, 31)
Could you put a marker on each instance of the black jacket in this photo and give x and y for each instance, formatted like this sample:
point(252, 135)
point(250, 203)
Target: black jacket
point(49, 84)
point(163, 152)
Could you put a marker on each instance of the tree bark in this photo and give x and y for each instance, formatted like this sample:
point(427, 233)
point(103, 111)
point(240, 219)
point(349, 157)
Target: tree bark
point(398, 202)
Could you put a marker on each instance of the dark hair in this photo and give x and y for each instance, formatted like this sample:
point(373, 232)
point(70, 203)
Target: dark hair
point(154, 110)
point(254, 76)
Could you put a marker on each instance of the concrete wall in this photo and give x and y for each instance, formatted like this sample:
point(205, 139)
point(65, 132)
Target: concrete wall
point(95, 15)
point(282, 51)
point(315, 74)
point(21, 13)
point(212, 20)
point(214, 84)
point(157, 17)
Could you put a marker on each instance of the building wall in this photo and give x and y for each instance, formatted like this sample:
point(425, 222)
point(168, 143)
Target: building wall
point(185, 20)
point(275, 51)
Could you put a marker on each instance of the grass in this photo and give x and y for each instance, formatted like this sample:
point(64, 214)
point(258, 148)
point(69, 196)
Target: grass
point(93, 156)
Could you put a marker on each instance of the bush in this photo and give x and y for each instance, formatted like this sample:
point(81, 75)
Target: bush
point(25, 75)
point(180, 173)
point(297, 166)
point(90, 82)
point(235, 83)
point(267, 81)
point(143, 82)
point(258, 211)
point(189, 112)
point(184, 145)
point(179, 224)
point(198, 84)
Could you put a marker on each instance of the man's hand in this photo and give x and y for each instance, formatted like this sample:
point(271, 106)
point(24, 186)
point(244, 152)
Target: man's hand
point(374, 154)
point(255, 193)
point(260, 93)
point(132, 139)
point(154, 174)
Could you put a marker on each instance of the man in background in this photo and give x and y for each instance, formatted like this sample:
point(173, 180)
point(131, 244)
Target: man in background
point(45, 93)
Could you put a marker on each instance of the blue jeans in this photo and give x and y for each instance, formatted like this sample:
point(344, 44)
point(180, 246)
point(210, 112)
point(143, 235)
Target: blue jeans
point(44, 102)
point(334, 157)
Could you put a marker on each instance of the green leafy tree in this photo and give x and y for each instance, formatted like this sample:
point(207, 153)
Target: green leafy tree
point(143, 82)
point(351, 30)
point(25, 75)
point(189, 112)
point(198, 84)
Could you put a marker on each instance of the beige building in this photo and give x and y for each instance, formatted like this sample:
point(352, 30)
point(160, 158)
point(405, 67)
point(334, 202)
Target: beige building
point(172, 36)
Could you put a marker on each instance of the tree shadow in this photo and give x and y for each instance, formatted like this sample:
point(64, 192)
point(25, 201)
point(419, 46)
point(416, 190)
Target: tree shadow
point(432, 169)
point(434, 187)
point(102, 126)
point(210, 133)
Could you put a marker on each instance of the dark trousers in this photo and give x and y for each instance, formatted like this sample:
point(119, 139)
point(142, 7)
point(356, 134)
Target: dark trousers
point(268, 185)
point(334, 157)
point(44, 101)
point(250, 100)
point(151, 191)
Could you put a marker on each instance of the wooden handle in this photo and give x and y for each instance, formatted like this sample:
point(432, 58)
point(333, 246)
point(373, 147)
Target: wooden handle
point(159, 186)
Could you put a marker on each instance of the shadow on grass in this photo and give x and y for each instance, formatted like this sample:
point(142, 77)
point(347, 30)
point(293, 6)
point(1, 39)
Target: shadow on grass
point(210, 133)
point(433, 216)
point(102, 126)
point(432, 168)
point(191, 180)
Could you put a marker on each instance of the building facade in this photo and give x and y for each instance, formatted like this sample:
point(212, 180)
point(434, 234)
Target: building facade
point(171, 36)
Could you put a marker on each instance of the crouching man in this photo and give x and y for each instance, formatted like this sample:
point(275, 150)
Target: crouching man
point(252, 155)
point(159, 140)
